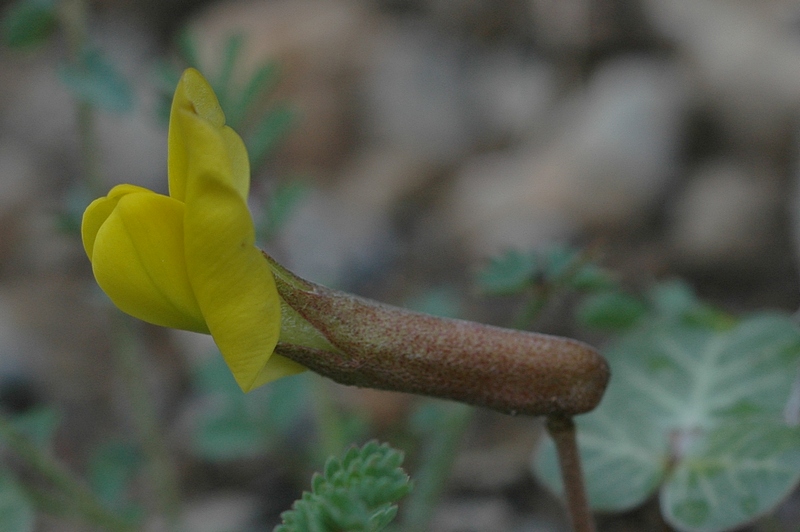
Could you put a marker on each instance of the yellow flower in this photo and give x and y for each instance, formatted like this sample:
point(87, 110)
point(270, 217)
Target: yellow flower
point(188, 260)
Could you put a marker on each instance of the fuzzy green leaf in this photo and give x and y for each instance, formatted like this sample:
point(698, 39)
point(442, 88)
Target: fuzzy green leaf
point(112, 470)
point(356, 493)
point(697, 412)
point(233, 425)
point(509, 273)
point(591, 277)
point(611, 311)
point(280, 206)
point(260, 84)
point(95, 80)
point(230, 54)
point(268, 133)
point(737, 473)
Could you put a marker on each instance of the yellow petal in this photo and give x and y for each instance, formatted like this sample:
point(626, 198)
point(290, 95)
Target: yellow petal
point(96, 213)
point(193, 94)
point(240, 163)
point(137, 258)
point(231, 279)
point(277, 366)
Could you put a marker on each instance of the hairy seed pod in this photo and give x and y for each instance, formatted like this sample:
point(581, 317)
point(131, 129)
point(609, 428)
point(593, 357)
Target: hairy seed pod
point(390, 348)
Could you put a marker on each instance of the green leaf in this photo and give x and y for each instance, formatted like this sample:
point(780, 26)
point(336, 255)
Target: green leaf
point(611, 311)
point(738, 473)
point(38, 424)
point(268, 132)
point(76, 198)
point(281, 204)
point(222, 84)
point(356, 493)
point(558, 261)
point(234, 425)
point(187, 48)
point(96, 81)
point(437, 301)
point(112, 468)
point(261, 82)
point(591, 278)
point(509, 273)
point(673, 299)
point(29, 23)
point(16, 511)
point(229, 434)
point(698, 413)
point(165, 77)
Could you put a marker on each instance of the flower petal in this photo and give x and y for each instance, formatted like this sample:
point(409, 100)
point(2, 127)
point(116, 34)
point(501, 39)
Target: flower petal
point(137, 258)
point(195, 95)
point(276, 367)
point(231, 279)
point(96, 213)
point(240, 163)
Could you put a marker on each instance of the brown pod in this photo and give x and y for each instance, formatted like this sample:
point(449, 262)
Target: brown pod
point(390, 348)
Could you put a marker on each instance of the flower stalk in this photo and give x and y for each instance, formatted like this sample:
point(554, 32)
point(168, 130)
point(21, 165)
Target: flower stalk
point(81, 501)
point(562, 430)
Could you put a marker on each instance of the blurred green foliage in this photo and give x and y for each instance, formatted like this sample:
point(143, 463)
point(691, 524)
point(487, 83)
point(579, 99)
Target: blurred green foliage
point(232, 425)
point(261, 123)
point(697, 414)
point(95, 80)
point(17, 513)
point(29, 23)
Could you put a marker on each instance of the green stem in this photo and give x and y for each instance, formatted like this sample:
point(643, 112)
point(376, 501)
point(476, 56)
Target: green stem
point(83, 502)
point(533, 308)
point(433, 472)
point(74, 16)
point(160, 466)
point(331, 440)
point(74, 22)
point(91, 162)
point(562, 429)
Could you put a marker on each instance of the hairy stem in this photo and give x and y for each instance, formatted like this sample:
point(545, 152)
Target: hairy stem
point(160, 466)
point(82, 501)
point(73, 17)
point(562, 430)
point(438, 457)
point(331, 435)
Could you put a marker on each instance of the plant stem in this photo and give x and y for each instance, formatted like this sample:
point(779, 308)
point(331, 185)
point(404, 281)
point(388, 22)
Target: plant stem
point(437, 462)
point(331, 437)
point(160, 467)
point(73, 16)
point(83, 502)
point(562, 430)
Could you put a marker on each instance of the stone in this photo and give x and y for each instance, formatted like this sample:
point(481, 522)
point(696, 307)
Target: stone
point(744, 61)
point(511, 94)
point(473, 515)
point(415, 93)
point(344, 228)
point(727, 215)
point(221, 511)
point(318, 47)
point(611, 155)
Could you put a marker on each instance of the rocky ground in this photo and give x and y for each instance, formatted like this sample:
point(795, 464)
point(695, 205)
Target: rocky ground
point(432, 135)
